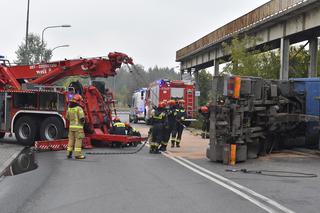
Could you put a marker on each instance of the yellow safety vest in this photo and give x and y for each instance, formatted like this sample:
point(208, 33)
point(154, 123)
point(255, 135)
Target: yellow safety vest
point(74, 115)
point(119, 124)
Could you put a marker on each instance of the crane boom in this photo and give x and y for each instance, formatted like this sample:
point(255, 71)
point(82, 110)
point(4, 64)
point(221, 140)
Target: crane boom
point(48, 73)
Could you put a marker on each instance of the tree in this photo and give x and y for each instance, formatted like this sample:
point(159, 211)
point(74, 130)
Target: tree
point(127, 81)
point(32, 54)
point(205, 85)
point(246, 62)
point(299, 62)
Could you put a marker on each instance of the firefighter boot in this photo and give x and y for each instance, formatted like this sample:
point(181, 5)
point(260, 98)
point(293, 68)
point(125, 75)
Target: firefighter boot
point(178, 143)
point(172, 143)
point(153, 147)
point(203, 135)
point(69, 154)
point(80, 157)
point(163, 148)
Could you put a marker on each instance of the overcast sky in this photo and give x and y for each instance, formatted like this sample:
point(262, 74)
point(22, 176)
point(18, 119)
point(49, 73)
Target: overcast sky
point(150, 31)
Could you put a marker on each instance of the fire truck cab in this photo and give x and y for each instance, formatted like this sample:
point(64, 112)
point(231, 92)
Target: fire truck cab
point(165, 89)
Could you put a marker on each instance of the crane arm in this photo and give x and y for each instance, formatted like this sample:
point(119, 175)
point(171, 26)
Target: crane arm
point(49, 73)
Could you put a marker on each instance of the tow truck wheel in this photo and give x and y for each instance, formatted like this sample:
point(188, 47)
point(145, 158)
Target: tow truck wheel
point(51, 129)
point(26, 130)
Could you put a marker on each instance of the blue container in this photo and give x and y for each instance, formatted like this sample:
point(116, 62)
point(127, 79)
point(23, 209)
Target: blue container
point(311, 88)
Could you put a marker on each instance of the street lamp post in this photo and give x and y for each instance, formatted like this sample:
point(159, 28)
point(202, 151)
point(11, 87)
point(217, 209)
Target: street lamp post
point(42, 34)
point(66, 45)
point(60, 46)
point(27, 28)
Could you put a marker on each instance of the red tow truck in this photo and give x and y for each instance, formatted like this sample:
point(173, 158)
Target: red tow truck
point(33, 107)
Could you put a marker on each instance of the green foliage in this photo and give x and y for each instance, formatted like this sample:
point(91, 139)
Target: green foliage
point(299, 62)
point(264, 64)
point(243, 61)
point(205, 84)
point(32, 54)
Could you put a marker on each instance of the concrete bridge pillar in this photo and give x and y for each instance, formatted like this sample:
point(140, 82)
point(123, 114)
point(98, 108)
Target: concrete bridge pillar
point(313, 50)
point(196, 78)
point(284, 58)
point(216, 67)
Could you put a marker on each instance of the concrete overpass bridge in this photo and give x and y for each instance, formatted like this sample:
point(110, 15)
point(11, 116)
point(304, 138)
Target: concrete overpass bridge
point(278, 23)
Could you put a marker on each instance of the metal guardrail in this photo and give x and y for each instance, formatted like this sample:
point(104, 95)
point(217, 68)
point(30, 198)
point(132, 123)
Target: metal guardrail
point(269, 9)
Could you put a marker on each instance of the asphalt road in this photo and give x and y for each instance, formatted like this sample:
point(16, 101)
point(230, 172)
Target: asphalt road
point(127, 183)
point(156, 183)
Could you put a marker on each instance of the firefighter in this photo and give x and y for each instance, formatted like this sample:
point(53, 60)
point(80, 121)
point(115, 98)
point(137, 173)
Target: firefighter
point(204, 111)
point(166, 127)
point(179, 116)
point(171, 106)
point(158, 120)
point(75, 115)
point(118, 128)
point(131, 130)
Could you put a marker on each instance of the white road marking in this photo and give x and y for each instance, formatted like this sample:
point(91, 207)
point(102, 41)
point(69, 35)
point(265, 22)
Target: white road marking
point(230, 185)
point(236, 191)
point(224, 183)
point(247, 190)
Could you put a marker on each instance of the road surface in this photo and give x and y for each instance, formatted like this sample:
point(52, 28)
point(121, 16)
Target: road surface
point(181, 180)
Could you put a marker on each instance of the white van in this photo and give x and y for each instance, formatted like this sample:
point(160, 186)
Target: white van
point(137, 111)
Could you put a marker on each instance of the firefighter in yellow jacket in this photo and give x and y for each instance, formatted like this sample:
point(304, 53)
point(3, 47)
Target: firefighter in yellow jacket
point(75, 115)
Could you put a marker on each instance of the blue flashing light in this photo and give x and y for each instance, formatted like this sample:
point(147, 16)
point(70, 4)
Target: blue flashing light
point(70, 96)
point(161, 82)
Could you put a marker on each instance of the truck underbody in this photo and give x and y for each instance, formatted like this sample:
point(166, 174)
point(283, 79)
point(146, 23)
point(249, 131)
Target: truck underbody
point(262, 115)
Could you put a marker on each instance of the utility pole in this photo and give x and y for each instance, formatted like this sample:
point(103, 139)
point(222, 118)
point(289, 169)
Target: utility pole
point(27, 29)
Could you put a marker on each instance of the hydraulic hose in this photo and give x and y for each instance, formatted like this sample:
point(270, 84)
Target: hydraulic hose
point(275, 173)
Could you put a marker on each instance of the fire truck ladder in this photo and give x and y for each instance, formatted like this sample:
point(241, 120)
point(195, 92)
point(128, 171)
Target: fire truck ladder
point(190, 103)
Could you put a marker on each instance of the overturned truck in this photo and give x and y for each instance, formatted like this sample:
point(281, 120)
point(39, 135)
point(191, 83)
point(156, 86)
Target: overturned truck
point(259, 115)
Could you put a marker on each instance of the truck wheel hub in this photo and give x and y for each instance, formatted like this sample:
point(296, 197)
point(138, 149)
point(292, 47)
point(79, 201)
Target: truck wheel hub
point(51, 132)
point(24, 131)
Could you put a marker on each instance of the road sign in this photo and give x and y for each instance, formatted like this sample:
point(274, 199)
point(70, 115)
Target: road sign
point(197, 93)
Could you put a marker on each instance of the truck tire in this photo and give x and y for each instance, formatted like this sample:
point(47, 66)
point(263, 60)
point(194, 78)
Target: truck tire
point(26, 130)
point(135, 120)
point(51, 129)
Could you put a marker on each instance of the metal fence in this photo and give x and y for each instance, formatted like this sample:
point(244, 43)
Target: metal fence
point(263, 12)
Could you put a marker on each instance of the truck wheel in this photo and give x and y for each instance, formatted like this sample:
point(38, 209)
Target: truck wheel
point(135, 120)
point(51, 129)
point(26, 130)
point(130, 120)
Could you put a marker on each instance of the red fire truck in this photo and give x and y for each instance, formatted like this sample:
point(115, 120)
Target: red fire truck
point(164, 89)
point(33, 108)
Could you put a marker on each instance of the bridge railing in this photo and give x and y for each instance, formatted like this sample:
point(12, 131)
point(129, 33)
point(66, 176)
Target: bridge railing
point(261, 13)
